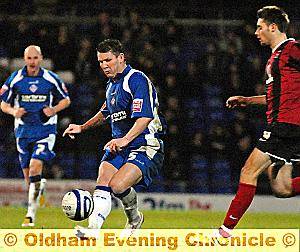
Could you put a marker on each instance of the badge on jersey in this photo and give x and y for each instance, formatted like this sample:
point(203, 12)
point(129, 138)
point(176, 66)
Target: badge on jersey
point(113, 101)
point(137, 105)
point(33, 88)
point(266, 134)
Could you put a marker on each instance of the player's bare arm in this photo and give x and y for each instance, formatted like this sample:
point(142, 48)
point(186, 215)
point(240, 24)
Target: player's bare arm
point(242, 101)
point(76, 129)
point(62, 104)
point(15, 112)
point(139, 126)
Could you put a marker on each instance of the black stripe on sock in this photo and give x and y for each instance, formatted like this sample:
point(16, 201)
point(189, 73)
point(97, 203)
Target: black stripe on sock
point(34, 179)
point(103, 188)
point(123, 194)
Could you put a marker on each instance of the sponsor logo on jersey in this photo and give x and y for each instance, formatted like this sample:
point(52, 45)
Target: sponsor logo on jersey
point(34, 82)
point(33, 88)
point(137, 105)
point(33, 98)
point(118, 116)
point(3, 89)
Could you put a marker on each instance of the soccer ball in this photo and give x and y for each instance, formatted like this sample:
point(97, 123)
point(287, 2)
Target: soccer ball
point(77, 204)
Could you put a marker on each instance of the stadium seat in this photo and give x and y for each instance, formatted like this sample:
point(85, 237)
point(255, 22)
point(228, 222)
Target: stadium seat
point(221, 177)
point(199, 187)
point(199, 162)
point(199, 175)
point(194, 105)
point(68, 163)
point(221, 168)
point(196, 115)
point(212, 91)
point(88, 166)
point(157, 185)
point(216, 116)
point(221, 188)
point(85, 101)
point(3, 165)
point(215, 103)
point(14, 168)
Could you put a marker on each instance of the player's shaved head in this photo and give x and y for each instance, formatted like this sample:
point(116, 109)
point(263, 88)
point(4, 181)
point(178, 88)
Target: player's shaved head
point(33, 58)
point(31, 48)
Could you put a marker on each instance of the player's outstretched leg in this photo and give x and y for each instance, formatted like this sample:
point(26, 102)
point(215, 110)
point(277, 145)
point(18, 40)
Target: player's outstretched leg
point(254, 166)
point(102, 206)
point(238, 207)
point(33, 193)
point(135, 218)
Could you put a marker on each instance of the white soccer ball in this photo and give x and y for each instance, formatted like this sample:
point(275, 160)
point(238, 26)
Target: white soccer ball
point(77, 204)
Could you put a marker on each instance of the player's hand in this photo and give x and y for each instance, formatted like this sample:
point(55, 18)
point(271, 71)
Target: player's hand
point(236, 101)
point(19, 112)
point(48, 111)
point(71, 130)
point(117, 144)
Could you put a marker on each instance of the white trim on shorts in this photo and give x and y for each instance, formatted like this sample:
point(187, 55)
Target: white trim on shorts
point(280, 158)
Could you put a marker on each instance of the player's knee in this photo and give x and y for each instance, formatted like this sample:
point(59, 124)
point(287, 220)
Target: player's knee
point(34, 171)
point(247, 172)
point(281, 191)
point(35, 167)
point(282, 194)
point(103, 180)
point(117, 187)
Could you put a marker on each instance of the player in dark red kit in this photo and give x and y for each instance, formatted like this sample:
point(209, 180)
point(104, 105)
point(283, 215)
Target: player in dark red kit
point(281, 139)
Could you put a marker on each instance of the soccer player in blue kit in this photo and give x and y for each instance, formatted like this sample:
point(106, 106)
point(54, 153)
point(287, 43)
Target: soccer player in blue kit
point(135, 154)
point(28, 96)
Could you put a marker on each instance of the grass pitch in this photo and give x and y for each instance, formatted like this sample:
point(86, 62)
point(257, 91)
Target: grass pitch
point(53, 217)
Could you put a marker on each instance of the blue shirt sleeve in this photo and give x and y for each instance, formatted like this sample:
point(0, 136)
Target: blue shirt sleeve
point(105, 111)
point(142, 96)
point(6, 91)
point(60, 90)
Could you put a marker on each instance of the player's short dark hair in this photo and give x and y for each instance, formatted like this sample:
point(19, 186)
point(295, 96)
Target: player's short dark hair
point(274, 14)
point(113, 45)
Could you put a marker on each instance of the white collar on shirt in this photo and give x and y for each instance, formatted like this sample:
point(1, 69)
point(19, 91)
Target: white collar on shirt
point(274, 49)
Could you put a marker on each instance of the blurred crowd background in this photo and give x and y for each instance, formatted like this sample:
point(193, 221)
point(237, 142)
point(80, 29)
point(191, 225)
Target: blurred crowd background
point(196, 53)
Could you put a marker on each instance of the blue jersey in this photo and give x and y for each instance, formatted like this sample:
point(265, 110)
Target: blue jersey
point(132, 96)
point(33, 93)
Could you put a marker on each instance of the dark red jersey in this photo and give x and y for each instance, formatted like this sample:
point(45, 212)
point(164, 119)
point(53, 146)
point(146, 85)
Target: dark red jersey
point(283, 84)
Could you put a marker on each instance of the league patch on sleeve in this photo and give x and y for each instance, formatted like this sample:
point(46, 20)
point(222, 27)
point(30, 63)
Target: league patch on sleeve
point(103, 106)
point(3, 89)
point(64, 88)
point(137, 105)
